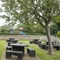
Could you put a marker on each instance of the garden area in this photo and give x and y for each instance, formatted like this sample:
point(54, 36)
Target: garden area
point(30, 20)
point(42, 54)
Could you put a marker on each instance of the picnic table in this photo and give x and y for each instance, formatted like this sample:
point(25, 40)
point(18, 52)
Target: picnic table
point(57, 46)
point(12, 41)
point(18, 47)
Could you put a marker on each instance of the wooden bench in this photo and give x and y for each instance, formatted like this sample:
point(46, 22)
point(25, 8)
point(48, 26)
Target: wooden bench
point(31, 52)
point(18, 53)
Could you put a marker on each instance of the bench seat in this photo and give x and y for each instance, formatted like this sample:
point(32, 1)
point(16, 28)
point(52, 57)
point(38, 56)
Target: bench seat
point(31, 52)
point(18, 53)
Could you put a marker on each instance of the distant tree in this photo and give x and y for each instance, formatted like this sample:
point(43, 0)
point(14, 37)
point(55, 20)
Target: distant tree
point(4, 30)
point(54, 29)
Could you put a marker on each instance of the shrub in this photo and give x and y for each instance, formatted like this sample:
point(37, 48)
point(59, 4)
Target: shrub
point(58, 34)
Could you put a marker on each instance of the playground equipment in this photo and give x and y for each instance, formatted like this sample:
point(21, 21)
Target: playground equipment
point(21, 32)
point(11, 31)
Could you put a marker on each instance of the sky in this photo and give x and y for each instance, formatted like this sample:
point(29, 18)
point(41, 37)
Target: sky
point(2, 21)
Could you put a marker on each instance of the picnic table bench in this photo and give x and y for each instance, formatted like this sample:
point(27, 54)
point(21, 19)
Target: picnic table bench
point(57, 47)
point(31, 52)
point(8, 47)
point(18, 53)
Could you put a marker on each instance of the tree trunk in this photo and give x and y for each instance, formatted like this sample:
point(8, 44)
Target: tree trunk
point(51, 52)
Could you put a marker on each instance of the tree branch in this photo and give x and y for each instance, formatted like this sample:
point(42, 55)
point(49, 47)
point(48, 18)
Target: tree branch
point(39, 20)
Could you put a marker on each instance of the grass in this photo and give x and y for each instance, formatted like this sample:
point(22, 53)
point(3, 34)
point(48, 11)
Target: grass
point(40, 52)
point(2, 43)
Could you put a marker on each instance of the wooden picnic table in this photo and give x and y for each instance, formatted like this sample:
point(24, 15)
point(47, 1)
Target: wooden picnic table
point(19, 47)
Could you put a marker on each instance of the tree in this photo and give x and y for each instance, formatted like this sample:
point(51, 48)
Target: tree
point(4, 30)
point(26, 11)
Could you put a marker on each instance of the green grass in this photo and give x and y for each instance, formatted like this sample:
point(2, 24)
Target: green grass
point(2, 43)
point(40, 52)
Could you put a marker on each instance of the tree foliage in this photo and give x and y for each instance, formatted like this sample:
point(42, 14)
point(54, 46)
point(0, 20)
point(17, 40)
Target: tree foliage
point(4, 30)
point(26, 11)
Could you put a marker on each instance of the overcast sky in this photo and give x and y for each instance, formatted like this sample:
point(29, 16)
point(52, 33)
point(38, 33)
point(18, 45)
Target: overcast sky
point(2, 21)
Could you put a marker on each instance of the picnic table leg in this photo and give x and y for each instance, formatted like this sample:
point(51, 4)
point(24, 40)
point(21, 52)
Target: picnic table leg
point(8, 55)
point(18, 48)
point(20, 56)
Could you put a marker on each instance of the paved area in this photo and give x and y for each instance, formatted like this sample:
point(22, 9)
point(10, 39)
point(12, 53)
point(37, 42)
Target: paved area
point(26, 57)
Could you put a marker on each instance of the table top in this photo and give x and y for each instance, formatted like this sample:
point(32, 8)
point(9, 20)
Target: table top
point(17, 44)
point(11, 40)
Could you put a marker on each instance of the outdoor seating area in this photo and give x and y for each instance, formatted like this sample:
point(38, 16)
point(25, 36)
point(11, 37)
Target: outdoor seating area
point(29, 29)
point(55, 45)
point(9, 53)
point(25, 50)
point(35, 41)
point(44, 44)
point(18, 49)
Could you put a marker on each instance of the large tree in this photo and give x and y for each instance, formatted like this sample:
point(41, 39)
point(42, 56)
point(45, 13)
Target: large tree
point(31, 11)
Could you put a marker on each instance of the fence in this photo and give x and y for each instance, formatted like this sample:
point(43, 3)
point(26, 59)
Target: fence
point(30, 37)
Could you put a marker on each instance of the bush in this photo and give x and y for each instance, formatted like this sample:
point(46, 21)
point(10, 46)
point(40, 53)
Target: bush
point(58, 34)
point(54, 29)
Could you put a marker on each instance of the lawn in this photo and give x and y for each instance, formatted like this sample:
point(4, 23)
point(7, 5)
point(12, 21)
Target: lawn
point(41, 53)
point(2, 48)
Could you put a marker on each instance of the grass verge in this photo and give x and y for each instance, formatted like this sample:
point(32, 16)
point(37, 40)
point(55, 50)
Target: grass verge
point(2, 43)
